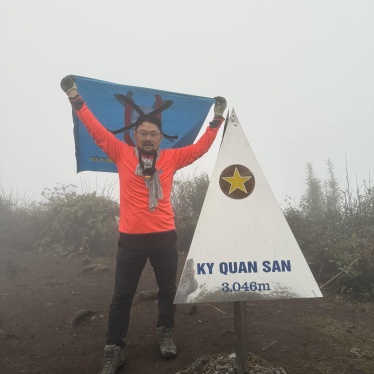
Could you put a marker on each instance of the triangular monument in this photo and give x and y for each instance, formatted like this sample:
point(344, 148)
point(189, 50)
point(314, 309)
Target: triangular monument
point(243, 248)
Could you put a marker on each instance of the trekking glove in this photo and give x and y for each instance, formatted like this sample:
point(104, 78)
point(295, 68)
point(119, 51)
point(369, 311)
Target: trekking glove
point(68, 84)
point(219, 106)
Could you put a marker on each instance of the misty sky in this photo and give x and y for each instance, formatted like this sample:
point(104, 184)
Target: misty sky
point(300, 75)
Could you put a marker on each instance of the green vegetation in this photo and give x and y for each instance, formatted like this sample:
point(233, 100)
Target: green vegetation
point(63, 222)
point(187, 199)
point(334, 227)
point(335, 231)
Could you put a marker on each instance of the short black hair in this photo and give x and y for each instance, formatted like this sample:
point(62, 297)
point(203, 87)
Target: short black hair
point(148, 118)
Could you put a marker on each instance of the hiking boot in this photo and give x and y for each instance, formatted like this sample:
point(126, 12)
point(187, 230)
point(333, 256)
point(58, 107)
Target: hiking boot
point(165, 342)
point(112, 360)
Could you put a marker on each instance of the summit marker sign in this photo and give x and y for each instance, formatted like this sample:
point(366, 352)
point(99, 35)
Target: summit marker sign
point(243, 248)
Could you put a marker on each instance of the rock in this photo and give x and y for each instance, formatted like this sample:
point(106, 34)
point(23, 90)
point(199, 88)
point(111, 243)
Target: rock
point(95, 268)
point(3, 335)
point(147, 295)
point(359, 353)
point(82, 317)
point(226, 364)
point(191, 309)
point(11, 269)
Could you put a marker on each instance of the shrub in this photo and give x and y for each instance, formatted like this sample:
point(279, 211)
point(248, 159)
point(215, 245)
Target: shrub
point(20, 223)
point(63, 222)
point(335, 231)
point(85, 222)
point(187, 199)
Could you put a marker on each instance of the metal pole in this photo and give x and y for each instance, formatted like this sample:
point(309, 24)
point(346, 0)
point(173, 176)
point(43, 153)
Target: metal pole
point(240, 314)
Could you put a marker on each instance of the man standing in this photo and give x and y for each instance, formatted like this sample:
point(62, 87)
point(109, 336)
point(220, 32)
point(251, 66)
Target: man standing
point(146, 224)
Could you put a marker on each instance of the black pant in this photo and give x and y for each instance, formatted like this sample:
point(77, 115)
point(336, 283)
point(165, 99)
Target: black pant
point(132, 255)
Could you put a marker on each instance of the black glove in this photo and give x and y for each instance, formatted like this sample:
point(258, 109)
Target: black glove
point(219, 106)
point(217, 122)
point(68, 84)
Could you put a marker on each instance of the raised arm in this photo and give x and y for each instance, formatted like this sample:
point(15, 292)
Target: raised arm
point(187, 155)
point(102, 137)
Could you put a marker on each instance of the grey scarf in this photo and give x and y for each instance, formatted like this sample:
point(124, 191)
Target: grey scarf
point(153, 184)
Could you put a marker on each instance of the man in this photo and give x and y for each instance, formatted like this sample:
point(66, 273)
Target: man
point(146, 224)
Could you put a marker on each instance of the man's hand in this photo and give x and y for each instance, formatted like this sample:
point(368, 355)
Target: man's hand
point(68, 85)
point(219, 106)
point(70, 88)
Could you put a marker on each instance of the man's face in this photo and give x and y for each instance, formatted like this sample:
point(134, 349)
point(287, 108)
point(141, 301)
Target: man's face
point(148, 137)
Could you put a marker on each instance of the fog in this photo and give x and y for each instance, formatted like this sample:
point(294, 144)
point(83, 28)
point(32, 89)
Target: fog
point(298, 73)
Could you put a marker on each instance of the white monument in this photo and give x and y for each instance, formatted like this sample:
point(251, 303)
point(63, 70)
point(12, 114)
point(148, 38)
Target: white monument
point(243, 248)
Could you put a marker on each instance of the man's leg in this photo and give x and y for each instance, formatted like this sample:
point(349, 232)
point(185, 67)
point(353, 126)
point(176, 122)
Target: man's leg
point(165, 264)
point(129, 267)
point(130, 264)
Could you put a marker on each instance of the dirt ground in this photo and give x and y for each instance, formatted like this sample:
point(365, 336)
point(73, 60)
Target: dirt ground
point(41, 332)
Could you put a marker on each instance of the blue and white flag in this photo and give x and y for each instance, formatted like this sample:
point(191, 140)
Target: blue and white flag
point(118, 106)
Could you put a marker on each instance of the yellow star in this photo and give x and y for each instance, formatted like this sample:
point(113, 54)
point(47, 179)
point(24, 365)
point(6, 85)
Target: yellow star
point(237, 181)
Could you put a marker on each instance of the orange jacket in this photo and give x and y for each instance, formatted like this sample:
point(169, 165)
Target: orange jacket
point(135, 216)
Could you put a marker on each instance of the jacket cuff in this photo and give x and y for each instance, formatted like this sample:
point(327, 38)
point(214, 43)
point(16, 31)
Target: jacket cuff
point(217, 121)
point(76, 102)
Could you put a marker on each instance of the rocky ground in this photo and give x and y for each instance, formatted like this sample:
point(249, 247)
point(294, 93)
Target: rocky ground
point(53, 314)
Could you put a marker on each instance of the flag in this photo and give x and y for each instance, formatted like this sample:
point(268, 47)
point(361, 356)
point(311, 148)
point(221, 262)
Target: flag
point(117, 107)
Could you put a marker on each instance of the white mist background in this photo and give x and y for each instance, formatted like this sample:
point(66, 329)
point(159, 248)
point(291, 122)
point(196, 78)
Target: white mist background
point(298, 73)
